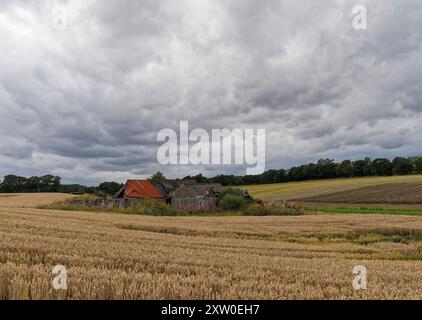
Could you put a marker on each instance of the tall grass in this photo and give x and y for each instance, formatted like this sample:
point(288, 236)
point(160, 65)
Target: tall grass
point(110, 256)
point(370, 211)
point(153, 207)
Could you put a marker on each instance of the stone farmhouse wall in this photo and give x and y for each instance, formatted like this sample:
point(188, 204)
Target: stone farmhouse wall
point(105, 203)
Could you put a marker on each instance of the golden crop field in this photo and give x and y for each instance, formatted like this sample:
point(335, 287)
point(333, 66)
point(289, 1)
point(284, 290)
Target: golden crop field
point(307, 189)
point(118, 256)
point(31, 200)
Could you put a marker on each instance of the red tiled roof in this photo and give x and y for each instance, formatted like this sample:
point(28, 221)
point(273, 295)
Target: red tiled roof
point(140, 189)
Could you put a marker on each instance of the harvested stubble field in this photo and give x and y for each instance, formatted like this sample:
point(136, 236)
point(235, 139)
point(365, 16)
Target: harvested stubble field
point(372, 195)
point(117, 256)
point(307, 189)
point(390, 193)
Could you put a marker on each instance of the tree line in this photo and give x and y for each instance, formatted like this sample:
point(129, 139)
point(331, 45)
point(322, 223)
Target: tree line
point(322, 169)
point(49, 183)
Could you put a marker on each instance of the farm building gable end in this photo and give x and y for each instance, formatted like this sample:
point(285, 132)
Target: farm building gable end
point(139, 189)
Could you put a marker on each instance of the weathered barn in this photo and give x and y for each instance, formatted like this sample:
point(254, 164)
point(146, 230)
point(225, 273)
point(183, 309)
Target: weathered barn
point(139, 189)
point(195, 197)
point(180, 194)
point(167, 187)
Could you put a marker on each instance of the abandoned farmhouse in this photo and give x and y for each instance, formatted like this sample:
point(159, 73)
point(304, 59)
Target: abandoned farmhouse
point(180, 194)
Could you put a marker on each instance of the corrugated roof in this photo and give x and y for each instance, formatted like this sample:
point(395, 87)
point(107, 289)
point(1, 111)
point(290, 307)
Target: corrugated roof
point(140, 189)
point(184, 192)
point(199, 189)
point(165, 189)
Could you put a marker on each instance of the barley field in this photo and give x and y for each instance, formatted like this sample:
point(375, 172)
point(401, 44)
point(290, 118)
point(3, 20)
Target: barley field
point(117, 256)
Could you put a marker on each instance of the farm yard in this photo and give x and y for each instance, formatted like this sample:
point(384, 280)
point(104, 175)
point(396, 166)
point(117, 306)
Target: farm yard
point(120, 256)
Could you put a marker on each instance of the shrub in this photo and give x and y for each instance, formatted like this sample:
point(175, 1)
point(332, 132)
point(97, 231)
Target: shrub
point(277, 209)
point(152, 207)
point(232, 202)
point(232, 191)
point(100, 194)
point(233, 198)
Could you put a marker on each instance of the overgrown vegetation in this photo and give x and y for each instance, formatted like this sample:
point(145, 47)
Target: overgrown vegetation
point(370, 211)
point(144, 206)
point(237, 199)
point(275, 209)
point(232, 198)
point(232, 202)
point(152, 208)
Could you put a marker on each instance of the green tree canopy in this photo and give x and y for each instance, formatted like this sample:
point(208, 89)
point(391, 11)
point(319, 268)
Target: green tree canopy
point(381, 167)
point(344, 169)
point(109, 188)
point(402, 166)
point(418, 165)
point(158, 176)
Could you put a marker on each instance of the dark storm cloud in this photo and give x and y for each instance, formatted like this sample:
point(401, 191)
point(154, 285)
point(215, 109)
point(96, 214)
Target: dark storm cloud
point(87, 102)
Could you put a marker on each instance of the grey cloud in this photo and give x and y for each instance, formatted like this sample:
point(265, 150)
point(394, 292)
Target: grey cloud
point(87, 102)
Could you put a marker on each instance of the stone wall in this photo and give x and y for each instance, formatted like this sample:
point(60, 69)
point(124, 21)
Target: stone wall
point(205, 203)
point(105, 203)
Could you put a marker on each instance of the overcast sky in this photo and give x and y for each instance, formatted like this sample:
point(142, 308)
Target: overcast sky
point(84, 97)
